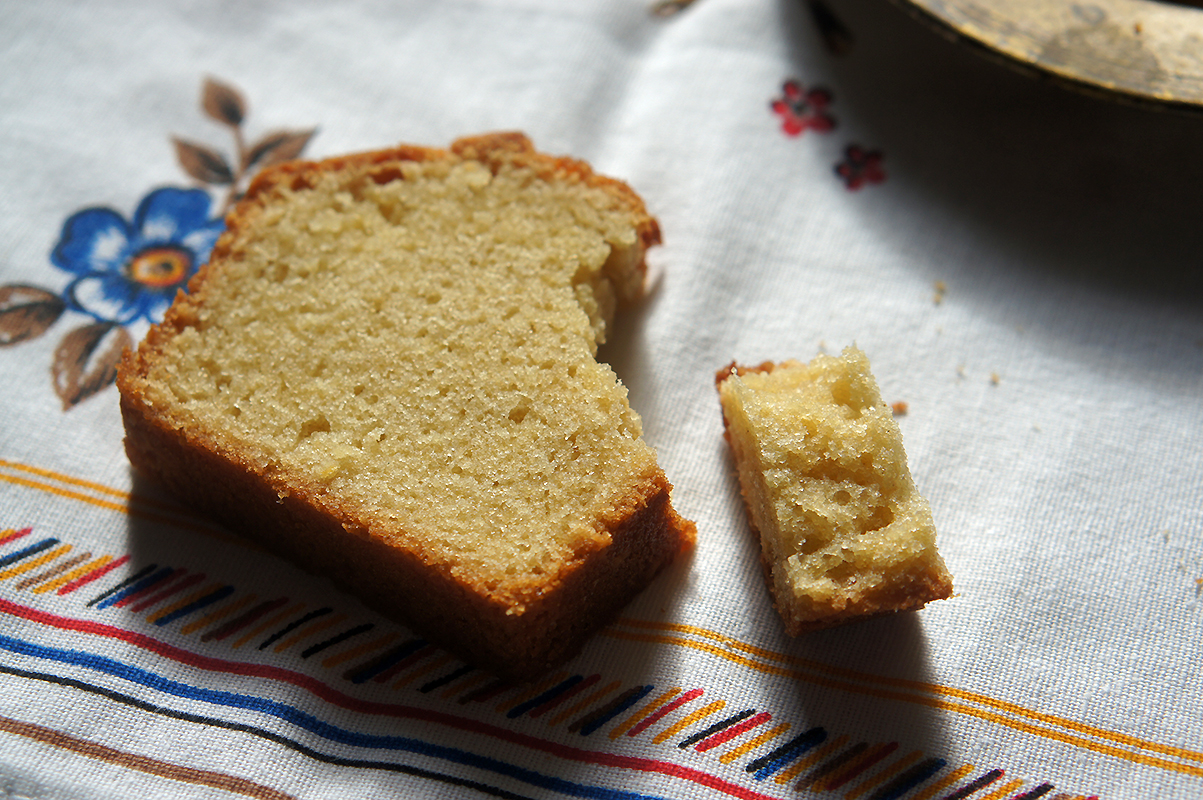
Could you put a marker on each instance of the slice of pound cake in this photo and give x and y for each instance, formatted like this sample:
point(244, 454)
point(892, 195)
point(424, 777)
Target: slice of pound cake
point(843, 531)
point(387, 373)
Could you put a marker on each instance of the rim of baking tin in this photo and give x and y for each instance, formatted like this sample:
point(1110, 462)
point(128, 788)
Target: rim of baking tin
point(1141, 51)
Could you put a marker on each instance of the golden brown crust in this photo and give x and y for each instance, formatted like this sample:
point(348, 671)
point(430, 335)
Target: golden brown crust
point(741, 370)
point(641, 535)
point(513, 636)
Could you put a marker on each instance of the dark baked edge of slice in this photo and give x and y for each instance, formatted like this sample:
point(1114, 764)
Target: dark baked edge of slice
point(638, 538)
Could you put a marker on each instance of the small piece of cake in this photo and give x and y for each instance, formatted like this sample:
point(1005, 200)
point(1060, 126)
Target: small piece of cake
point(844, 533)
point(387, 373)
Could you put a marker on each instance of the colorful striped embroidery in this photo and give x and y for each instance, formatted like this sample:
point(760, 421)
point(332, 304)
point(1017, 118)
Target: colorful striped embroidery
point(749, 740)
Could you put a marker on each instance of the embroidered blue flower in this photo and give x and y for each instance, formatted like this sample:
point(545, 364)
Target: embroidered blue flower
point(126, 271)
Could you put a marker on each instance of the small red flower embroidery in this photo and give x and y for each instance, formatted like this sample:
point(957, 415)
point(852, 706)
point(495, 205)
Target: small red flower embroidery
point(860, 166)
point(800, 109)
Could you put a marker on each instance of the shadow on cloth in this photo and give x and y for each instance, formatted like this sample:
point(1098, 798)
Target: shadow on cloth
point(1105, 193)
point(876, 694)
point(881, 691)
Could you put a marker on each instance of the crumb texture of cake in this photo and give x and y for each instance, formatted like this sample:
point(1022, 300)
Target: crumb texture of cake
point(844, 532)
point(388, 372)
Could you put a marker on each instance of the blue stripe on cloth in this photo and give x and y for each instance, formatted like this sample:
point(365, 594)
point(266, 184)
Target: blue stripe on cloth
point(632, 697)
point(196, 605)
point(145, 583)
point(540, 699)
point(131, 579)
point(770, 764)
point(38, 547)
point(308, 722)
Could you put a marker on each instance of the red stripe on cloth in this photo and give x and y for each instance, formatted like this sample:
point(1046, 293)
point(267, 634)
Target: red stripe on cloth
point(99, 572)
point(722, 737)
point(15, 535)
point(337, 698)
point(659, 713)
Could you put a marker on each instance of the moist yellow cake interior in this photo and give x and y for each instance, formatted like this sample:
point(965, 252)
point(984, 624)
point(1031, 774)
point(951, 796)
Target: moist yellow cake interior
point(826, 481)
point(422, 350)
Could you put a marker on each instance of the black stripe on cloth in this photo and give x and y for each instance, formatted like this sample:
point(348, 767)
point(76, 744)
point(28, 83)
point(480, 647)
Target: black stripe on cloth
point(291, 744)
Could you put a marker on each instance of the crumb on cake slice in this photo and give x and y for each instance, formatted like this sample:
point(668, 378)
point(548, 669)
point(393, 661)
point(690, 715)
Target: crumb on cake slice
point(844, 532)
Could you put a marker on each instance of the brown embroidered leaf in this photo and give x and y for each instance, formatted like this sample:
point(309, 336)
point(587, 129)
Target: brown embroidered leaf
point(26, 312)
point(86, 361)
point(223, 102)
point(203, 163)
point(278, 147)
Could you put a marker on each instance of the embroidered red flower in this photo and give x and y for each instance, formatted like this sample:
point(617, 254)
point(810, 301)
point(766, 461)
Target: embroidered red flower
point(800, 109)
point(860, 166)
